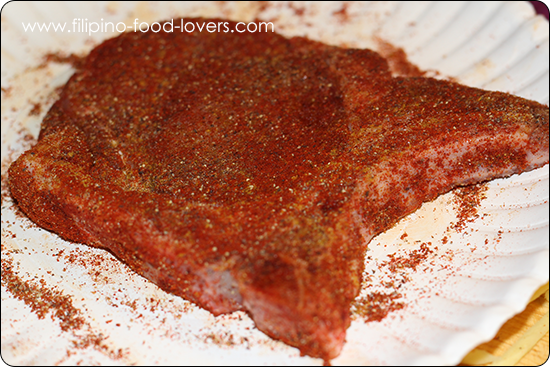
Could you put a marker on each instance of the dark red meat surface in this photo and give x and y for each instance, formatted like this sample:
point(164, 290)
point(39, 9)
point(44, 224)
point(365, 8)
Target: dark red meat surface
point(250, 171)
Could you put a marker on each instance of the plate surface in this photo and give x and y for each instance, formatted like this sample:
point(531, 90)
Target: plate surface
point(436, 285)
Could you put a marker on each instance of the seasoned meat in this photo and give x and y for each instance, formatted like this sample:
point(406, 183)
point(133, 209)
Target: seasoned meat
point(250, 171)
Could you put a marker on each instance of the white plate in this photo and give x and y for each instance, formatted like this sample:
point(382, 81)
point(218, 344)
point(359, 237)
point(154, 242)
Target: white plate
point(469, 283)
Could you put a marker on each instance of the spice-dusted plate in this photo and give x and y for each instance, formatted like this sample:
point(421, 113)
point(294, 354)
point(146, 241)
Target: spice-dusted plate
point(436, 285)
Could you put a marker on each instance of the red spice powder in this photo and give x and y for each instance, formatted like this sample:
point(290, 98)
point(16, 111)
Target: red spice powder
point(342, 14)
point(397, 60)
point(45, 301)
point(61, 58)
point(375, 306)
point(466, 201)
point(411, 261)
point(40, 299)
point(36, 109)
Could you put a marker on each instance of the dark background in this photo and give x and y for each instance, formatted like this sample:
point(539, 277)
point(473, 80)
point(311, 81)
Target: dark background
point(540, 8)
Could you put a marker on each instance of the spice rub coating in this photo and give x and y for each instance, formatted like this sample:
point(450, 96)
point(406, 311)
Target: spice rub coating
point(249, 171)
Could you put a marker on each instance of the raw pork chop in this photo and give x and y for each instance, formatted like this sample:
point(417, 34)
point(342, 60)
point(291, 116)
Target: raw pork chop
point(250, 171)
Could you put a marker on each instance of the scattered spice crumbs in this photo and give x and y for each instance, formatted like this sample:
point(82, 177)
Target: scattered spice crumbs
point(467, 200)
point(62, 58)
point(45, 300)
point(36, 109)
point(40, 299)
point(376, 305)
point(414, 258)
